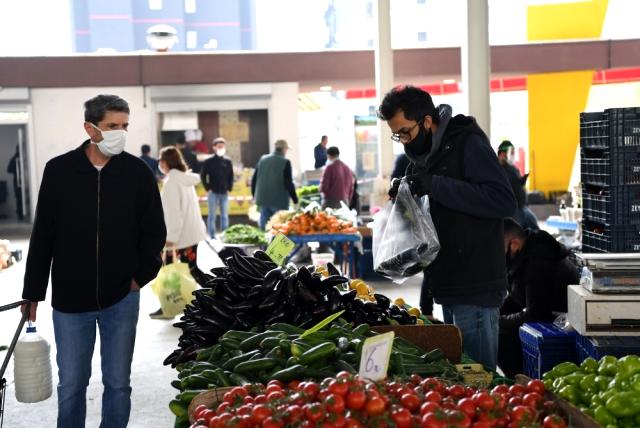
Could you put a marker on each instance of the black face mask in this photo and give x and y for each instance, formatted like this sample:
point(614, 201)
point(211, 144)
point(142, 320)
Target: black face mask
point(420, 145)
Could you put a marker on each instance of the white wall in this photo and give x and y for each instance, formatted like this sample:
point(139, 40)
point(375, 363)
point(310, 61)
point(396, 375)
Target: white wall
point(283, 121)
point(58, 117)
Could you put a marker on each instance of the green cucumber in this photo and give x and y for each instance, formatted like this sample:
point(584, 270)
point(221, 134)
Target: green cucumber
point(229, 344)
point(286, 328)
point(342, 365)
point(189, 394)
point(295, 372)
point(254, 366)
point(318, 353)
point(252, 342)
point(238, 379)
point(233, 362)
point(433, 355)
point(272, 342)
point(238, 335)
point(178, 408)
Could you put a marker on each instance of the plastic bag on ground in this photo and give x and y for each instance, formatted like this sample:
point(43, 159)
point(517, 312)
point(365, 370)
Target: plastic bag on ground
point(174, 286)
point(405, 240)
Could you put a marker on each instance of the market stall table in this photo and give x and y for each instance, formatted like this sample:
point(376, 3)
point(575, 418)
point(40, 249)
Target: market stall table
point(347, 243)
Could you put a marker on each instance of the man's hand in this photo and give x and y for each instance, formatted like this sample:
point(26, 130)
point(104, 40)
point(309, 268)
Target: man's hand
point(134, 285)
point(169, 244)
point(420, 184)
point(32, 310)
point(395, 185)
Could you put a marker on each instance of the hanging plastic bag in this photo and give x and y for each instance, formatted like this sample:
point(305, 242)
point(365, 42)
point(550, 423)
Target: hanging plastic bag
point(404, 237)
point(174, 287)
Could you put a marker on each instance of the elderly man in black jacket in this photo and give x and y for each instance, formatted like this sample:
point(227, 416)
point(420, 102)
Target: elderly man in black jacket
point(539, 270)
point(453, 162)
point(99, 229)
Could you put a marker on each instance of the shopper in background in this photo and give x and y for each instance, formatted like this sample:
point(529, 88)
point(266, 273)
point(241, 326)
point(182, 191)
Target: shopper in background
point(99, 229)
point(452, 162)
point(320, 152)
point(272, 183)
point(195, 142)
point(14, 169)
point(152, 163)
point(217, 178)
point(336, 184)
point(400, 166)
point(506, 157)
point(539, 269)
point(187, 154)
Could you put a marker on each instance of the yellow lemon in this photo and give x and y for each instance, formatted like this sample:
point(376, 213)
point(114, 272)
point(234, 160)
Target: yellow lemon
point(399, 301)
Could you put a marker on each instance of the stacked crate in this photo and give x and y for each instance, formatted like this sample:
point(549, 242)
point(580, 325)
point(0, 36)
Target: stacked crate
point(610, 169)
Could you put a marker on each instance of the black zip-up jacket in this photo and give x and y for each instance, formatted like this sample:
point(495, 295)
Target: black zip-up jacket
point(469, 197)
point(95, 231)
point(217, 174)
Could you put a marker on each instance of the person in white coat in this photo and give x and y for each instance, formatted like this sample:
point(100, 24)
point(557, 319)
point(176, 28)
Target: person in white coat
point(185, 227)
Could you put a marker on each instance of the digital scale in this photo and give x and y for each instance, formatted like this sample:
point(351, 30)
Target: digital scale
point(612, 273)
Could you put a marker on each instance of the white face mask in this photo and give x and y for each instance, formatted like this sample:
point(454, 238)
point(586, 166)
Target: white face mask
point(511, 157)
point(221, 151)
point(112, 143)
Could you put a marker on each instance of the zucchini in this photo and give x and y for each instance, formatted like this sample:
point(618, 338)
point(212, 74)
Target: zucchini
point(176, 384)
point(298, 348)
point(238, 379)
point(425, 369)
point(318, 353)
point(362, 330)
point(189, 394)
point(292, 361)
point(195, 382)
point(254, 366)
point(289, 374)
point(342, 365)
point(209, 374)
point(399, 362)
point(233, 362)
point(238, 335)
point(272, 342)
point(178, 408)
point(221, 378)
point(252, 342)
point(229, 344)
point(433, 355)
point(318, 374)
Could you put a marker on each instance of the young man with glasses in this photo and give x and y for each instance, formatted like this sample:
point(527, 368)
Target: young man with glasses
point(453, 162)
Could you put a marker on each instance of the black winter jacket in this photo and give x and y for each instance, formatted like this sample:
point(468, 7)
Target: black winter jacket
point(217, 174)
point(469, 197)
point(538, 278)
point(95, 231)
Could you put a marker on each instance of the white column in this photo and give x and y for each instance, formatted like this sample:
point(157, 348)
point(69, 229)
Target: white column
point(384, 82)
point(476, 63)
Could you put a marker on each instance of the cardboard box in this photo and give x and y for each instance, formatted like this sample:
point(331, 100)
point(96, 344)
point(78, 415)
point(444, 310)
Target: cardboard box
point(445, 337)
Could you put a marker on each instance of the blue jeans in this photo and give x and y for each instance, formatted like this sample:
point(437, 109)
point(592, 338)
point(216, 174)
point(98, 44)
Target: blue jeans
point(480, 327)
point(265, 215)
point(216, 199)
point(75, 335)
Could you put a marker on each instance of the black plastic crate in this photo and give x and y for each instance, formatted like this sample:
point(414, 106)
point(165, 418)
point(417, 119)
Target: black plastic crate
point(624, 126)
point(594, 130)
point(611, 205)
point(611, 167)
point(599, 346)
point(604, 238)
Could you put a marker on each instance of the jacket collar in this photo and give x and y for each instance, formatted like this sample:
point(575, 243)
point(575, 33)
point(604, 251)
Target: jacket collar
point(82, 163)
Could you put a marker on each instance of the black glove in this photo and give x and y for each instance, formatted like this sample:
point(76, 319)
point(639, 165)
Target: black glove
point(420, 184)
point(395, 185)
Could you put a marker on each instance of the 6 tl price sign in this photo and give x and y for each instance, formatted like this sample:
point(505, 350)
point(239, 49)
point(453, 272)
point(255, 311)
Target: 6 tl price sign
point(374, 360)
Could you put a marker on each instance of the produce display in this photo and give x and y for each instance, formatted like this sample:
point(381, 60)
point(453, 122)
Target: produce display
point(307, 190)
point(252, 292)
point(314, 223)
point(244, 234)
point(351, 402)
point(607, 390)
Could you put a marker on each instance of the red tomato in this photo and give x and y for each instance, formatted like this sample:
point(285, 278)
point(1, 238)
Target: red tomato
point(273, 388)
point(271, 422)
point(458, 419)
point(429, 407)
point(500, 400)
point(294, 385)
point(311, 389)
point(259, 413)
point(375, 406)
point(433, 396)
point(402, 418)
point(339, 387)
point(260, 399)
point(536, 385)
point(481, 425)
point(449, 403)
point(515, 401)
point(201, 408)
point(431, 384)
point(214, 422)
point(245, 409)
point(501, 389)
point(239, 391)
point(416, 379)
point(275, 395)
point(468, 406)
point(517, 390)
point(275, 382)
point(334, 403)
point(522, 414)
point(410, 401)
point(533, 400)
point(434, 420)
point(313, 412)
point(353, 423)
point(248, 400)
point(456, 391)
point(207, 415)
point(356, 400)
point(554, 421)
point(484, 401)
point(294, 413)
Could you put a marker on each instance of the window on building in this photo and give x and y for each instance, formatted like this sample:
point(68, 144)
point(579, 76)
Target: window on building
point(155, 4)
point(422, 36)
point(189, 6)
point(192, 39)
point(422, 1)
point(211, 44)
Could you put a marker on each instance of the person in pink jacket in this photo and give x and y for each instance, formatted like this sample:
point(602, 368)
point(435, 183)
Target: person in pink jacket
point(336, 184)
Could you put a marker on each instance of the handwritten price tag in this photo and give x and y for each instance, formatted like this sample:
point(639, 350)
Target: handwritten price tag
point(376, 352)
point(280, 248)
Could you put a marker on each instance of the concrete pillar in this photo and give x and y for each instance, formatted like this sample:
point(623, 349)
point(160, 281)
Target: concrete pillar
point(476, 63)
point(384, 82)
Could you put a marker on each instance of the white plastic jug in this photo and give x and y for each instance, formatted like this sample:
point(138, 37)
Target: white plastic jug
point(32, 368)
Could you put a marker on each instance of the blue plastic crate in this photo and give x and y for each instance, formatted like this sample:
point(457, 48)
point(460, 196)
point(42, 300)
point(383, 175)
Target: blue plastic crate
point(599, 346)
point(543, 346)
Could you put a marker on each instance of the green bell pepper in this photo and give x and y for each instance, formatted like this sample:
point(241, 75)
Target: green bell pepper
point(634, 383)
point(559, 383)
point(548, 376)
point(602, 382)
point(548, 384)
point(588, 383)
point(608, 366)
point(628, 366)
point(570, 393)
point(624, 404)
point(574, 378)
point(589, 365)
point(564, 369)
point(619, 384)
point(603, 416)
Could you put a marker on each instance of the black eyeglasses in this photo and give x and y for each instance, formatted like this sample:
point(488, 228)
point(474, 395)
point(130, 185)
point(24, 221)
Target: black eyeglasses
point(404, 136)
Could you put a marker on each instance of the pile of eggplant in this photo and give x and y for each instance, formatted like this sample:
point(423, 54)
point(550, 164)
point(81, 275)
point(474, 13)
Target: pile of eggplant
point(253, 292)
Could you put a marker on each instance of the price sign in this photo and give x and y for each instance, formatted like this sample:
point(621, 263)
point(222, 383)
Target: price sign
point(376, 352)
point(280, 248)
